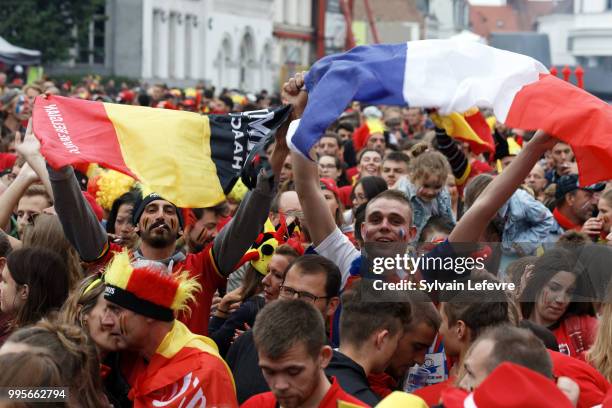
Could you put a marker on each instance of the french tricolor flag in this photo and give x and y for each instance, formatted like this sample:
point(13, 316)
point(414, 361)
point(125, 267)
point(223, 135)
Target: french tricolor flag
point(455, 76)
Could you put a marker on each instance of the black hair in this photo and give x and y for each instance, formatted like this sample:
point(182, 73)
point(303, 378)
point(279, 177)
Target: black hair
point(372, 186)
point(127, 198)
point(313, 264)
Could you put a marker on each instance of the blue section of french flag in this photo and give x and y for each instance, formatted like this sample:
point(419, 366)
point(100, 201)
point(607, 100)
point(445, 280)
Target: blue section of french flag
point(373, 74)
point(449, 75)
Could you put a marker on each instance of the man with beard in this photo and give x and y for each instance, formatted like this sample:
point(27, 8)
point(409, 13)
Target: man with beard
point(159, 223)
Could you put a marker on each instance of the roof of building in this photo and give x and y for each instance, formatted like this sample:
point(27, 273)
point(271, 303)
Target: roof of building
point(485, 20)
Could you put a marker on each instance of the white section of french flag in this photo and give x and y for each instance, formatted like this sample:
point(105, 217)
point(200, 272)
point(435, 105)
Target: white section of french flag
point(450, 75)
point(455, 76)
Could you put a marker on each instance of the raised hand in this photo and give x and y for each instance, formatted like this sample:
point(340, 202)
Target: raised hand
point(294, 93)
point(543, 140)
point(30, 145)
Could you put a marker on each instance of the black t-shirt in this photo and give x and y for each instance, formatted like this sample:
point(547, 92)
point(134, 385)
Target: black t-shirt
point(243, 361)
point(352, 378)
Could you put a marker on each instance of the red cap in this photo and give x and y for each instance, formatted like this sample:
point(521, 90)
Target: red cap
point(511, 386)
point(330, 184)
point(127, 95)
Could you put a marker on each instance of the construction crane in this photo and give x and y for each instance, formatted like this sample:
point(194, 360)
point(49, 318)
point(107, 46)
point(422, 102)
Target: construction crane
point(347, 10)
point(346, 7)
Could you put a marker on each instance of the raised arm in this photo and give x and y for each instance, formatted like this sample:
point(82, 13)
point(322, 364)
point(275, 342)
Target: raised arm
point(240, 233)
point(10, 198)
point(80, 224)
point(319, 220)
point(457, 160)
point(475, 220)
point(30, 150)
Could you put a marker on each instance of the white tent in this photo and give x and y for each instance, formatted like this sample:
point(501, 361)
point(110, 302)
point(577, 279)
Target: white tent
point(13, 55)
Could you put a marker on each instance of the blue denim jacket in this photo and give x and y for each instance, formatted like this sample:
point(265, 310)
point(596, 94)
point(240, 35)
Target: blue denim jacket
point(422, 211)
point(528, 224)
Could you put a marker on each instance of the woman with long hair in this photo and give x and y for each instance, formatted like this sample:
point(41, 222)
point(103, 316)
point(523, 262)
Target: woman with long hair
point(47, 232)
point(87, 308)
point(363, 191)
point(600, 354)
point(119, 223)
point(551, 298)
point(31, 369)
point(34, 283)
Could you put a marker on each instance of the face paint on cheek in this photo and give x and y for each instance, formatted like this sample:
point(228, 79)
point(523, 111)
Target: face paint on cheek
point(547, 297)
point(201, 235)
point(172, 223)
point(122, 325)
point(145, 224)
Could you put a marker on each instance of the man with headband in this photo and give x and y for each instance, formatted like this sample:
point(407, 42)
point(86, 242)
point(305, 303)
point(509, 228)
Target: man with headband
point(174, 367)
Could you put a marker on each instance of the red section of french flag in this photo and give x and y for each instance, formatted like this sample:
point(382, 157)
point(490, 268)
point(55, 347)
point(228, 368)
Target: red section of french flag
point(571, 115)
point(68, 137)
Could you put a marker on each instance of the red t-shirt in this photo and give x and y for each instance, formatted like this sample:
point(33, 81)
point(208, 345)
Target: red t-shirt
point(382, 384)
point(333, 395)
point(607, 403)
point(593, 385)
point(344, 193)
point(576, 334)
point(201, 265)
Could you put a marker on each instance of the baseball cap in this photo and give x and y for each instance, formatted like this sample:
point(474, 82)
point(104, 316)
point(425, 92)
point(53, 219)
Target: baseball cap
point(569, 183)
point(508, 386)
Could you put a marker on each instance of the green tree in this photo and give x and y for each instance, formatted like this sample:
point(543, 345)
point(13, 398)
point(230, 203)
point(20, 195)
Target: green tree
point(45, 25)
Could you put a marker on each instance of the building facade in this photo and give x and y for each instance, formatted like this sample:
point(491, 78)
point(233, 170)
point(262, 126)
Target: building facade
point(226, 43)
point(446, 18)
point(583, 34)
point(293, 38)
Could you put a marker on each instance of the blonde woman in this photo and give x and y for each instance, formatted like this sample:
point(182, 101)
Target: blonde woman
point(600, 354)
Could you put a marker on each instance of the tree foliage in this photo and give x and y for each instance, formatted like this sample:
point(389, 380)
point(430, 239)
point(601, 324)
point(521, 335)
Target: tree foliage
point(45, 25)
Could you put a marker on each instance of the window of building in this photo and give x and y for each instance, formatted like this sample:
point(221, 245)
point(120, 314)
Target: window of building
point(90, 39)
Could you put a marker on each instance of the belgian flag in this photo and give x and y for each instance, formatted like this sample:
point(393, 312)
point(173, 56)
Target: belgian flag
point(190, 159)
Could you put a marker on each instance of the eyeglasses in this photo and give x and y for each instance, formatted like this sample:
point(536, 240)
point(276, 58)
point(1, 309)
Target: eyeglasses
point(288, 292)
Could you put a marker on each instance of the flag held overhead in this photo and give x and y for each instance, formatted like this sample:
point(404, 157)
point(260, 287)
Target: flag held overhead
point(454, 76)
point(190, 159)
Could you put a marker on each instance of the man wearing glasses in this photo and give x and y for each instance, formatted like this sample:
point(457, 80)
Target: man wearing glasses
point(313, 279)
